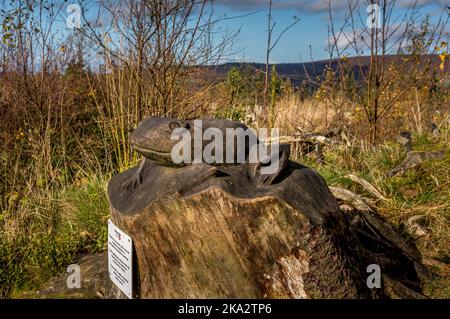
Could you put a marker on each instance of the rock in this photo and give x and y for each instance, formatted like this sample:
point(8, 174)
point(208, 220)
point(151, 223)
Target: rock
point(95, 282)
point(199, 232)
point(414, 228)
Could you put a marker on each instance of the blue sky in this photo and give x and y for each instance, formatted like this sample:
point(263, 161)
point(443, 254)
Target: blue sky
point(294, 46)
point(312, 30)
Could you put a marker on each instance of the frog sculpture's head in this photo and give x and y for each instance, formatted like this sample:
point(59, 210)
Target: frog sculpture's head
point(152, 138)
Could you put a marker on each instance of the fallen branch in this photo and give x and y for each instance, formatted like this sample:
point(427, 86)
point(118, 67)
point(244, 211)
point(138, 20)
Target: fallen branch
point(413, 160)
point(367, 186)
point(356, 201)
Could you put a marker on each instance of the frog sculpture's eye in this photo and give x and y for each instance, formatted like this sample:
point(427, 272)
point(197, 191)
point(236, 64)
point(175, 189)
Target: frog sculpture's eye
point(178, 124)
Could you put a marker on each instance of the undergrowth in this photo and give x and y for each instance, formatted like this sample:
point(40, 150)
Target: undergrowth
point(421, 193)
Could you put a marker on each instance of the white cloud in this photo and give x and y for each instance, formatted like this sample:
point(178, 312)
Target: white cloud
point(349, 43)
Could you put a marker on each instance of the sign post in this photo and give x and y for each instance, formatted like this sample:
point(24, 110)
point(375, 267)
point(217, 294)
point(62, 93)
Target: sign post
point(120, 252)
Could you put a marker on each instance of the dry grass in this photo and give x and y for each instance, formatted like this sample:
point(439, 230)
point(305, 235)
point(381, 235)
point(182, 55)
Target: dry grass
point(311, 115)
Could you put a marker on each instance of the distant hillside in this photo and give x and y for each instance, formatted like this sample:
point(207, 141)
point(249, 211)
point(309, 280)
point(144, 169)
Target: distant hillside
point(298, 72)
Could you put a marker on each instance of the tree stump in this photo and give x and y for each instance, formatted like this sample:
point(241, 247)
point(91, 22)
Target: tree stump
point(223, 237)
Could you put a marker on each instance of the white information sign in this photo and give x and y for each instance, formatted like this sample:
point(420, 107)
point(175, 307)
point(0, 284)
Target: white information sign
point(120, 250)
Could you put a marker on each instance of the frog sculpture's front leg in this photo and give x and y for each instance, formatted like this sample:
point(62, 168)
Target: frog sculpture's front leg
point(136, 179)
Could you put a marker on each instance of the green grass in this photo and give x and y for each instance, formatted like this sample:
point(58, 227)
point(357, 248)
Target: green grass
point(53, 235)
